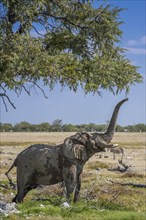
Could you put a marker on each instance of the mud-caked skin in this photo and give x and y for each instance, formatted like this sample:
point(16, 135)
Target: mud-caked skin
point(42, 164)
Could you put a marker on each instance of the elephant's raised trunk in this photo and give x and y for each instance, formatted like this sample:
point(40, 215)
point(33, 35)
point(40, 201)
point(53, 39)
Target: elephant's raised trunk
point(108, 135)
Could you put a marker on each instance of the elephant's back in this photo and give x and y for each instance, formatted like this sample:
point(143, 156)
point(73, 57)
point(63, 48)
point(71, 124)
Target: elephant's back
point(38, 155)
point(35, 149)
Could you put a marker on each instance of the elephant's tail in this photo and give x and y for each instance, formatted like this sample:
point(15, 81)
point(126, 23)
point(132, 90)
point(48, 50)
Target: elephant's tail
point(9, 178)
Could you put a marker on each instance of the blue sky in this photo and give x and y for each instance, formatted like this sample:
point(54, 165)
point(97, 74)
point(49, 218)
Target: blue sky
point(78, 108)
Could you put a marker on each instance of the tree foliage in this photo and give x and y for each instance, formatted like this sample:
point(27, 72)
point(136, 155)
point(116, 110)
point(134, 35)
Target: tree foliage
point(67, 42)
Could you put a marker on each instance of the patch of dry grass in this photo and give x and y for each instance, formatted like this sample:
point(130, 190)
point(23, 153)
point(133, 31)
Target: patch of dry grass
point(133, 175)
point(24, 138)
point(130, 140)
point(96, 165)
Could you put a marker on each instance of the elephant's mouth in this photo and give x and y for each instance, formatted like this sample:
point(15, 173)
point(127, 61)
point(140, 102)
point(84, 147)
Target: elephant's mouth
point(98, 148)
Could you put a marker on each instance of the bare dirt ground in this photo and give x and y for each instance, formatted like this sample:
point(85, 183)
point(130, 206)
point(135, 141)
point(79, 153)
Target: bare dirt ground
point(134, 143)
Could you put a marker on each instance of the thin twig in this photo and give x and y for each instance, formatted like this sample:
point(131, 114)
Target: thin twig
point(3, 88)
point(26, 90)
point(37, 31)
point(5, 104)
point(35, 84)
point(3, 95)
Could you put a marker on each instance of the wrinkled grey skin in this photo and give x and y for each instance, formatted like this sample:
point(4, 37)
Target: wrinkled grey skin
point(48, 165)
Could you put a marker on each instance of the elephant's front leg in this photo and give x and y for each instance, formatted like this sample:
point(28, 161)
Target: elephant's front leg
point(77, 190)
point(69, 173)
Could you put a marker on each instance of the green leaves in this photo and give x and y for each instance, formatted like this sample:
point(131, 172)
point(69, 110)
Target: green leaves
point(69, 42)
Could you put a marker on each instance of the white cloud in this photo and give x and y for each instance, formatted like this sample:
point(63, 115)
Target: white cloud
point(132, 42)
point(140, 41)
point(134, 50)
point(136, 46)
point(143, 40)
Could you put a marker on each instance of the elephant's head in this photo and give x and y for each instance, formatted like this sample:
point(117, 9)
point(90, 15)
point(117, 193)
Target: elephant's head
point(78, 146)
point(83, 145)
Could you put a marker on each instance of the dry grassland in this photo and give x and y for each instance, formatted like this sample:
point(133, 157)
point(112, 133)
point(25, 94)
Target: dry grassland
point(13, 143)
point(56, 137)
point(33, 137)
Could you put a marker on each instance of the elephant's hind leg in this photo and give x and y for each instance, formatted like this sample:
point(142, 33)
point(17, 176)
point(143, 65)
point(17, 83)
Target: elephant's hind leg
point(20, 196)
point(22, 193)
point(25, 183)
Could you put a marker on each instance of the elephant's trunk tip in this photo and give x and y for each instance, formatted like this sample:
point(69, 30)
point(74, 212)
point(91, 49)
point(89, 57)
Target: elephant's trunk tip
point(121, 102)
point(124, 100)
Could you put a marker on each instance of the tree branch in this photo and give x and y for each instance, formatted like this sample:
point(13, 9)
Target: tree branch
point(4, 95)
point(37, 31)
point(130, 184)
point(35, 84)
point(5, 104)
point(26, 90)
point(65, 19)
point(45, 24)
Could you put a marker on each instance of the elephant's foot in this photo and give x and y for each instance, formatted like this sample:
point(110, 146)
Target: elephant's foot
point(18, 199)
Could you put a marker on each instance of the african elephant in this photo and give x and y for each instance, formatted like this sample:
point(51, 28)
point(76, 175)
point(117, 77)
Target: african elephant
point(48, 165)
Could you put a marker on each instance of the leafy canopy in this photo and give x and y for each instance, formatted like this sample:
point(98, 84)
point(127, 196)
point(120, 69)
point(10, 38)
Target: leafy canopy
point(67, 42)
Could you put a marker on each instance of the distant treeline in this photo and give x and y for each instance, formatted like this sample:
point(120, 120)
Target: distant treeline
point(57, 125)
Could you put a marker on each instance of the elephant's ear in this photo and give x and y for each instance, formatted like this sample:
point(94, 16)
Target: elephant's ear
point(73, 150)
point(80, 152)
